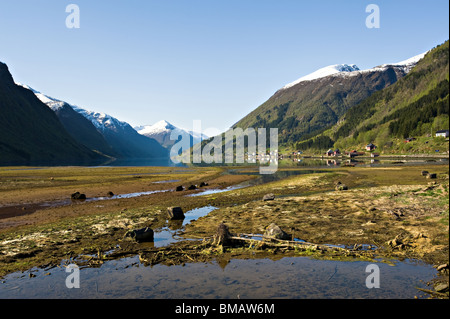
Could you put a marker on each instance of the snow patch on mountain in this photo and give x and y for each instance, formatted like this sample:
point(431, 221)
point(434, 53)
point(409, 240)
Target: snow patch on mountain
point(162, 130)
point(323, 72)
point(346, 70)
point(101, 121)
point(159, 127)
point(54, 104)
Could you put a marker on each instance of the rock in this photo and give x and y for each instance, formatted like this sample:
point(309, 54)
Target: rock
point(274, 231)
point(431, 176)
point(192, 187)
point(175, 213)
point(203, 184)
point(223, 235)
point(341, 187)
point(442, 287)
point(141, 235)
point(179, 188)
point(78, 196)
point(424, 173)
point(268, 197)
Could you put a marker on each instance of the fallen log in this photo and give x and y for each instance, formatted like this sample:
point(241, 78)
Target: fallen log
point(289, 243)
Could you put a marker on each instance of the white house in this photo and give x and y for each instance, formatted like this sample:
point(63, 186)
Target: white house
point(443, 133)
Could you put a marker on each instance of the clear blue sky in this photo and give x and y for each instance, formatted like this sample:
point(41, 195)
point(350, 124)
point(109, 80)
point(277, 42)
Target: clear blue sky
point(209, 60)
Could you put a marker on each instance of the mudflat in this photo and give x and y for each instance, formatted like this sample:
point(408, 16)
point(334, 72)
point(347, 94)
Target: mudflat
point(365, 212)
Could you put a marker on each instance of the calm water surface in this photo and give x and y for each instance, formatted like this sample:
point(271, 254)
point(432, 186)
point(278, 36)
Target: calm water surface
point(288, 278)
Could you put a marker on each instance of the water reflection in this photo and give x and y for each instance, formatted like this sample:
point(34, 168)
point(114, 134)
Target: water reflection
point(286, 278)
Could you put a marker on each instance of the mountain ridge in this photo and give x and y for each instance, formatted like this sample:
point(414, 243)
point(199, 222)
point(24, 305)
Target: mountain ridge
point(30, 132)
point(314, 102)
point(121, 139)
point(413, 107)
point(162, 130)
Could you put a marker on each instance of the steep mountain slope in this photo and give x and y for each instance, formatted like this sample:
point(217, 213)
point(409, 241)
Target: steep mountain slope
point(80, 128)
point(314, 102)
point(162, 130)
point(30, 132)
point(123, 139)
point(112, 136)
point(415, 106)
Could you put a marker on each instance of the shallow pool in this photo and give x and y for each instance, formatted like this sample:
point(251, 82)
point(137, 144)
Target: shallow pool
point(287, 278)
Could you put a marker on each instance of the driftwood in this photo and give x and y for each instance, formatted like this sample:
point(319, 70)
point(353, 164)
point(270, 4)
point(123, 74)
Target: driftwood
point(288, 243)
point(223, 235)
point(225, 238)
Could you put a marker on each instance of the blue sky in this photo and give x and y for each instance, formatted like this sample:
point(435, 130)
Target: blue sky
point(214, 61)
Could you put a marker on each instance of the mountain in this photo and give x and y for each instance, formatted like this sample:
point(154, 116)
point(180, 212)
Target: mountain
point(315, 102)
point(30, 133)
point(162, 130)
point(79, 127)
point(415, 106)
point(102, 132)
point(324, 72)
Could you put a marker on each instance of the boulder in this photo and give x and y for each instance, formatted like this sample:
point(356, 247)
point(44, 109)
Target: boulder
point(141, 235)
point(431, 176)
point(341, 187)
point(175, 213)
point(274, 231)
point(424, 173)
point(78, 196)
point(268, 197)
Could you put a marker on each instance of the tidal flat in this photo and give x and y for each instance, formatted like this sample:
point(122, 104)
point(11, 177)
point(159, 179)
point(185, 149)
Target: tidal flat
point(385, 215)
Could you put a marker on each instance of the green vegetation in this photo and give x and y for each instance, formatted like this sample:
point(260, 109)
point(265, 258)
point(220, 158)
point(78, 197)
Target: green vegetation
point(308, 108)
point(414, 107)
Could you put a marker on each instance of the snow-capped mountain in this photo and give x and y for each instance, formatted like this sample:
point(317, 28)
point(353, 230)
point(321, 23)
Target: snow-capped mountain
point(101, 121)
point(318, 100)
point(323, 72)
point(345, 70)
point(120, 136)
point(159, 127)
point(31, 134)
point(162, 130)
point(54, 104)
